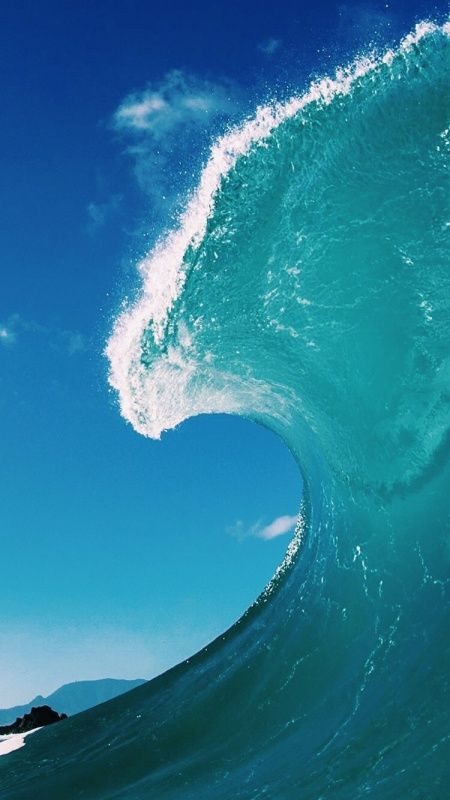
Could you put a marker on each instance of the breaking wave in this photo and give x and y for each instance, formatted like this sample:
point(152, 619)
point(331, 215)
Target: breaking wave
point(307, 287)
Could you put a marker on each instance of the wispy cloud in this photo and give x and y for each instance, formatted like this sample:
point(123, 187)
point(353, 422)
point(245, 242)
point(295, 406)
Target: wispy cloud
point(7, 335)
point(269, 46)
point(278, 527)
point(74, 341)
point(99, 213)
point(15, 326)
point(167, 125)
point(179, 101)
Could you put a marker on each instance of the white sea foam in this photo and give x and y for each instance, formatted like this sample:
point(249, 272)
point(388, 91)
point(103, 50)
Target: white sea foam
point(157, 400)
point(13, 741)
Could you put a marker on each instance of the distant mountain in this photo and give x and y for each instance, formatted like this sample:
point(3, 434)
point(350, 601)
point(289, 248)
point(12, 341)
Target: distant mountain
point(73, 697)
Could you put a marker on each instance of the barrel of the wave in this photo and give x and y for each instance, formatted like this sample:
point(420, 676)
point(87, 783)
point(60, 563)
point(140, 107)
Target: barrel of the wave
point(317, 304)
point(312, 297)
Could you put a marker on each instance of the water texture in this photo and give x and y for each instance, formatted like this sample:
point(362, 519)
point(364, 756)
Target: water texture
point(307, 288)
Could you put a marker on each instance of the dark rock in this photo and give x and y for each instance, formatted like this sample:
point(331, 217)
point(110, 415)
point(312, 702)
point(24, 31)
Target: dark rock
point(37, 718)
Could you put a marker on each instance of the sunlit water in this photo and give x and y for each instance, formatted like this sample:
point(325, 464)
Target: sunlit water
point(307, 289)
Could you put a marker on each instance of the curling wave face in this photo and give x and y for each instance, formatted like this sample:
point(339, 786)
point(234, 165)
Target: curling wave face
point(307, 288)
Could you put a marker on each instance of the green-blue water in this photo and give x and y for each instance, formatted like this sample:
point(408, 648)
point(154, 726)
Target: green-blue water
point(310, 294)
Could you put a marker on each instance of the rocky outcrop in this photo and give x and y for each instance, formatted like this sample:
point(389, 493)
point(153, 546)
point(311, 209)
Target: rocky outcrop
point(36, 718)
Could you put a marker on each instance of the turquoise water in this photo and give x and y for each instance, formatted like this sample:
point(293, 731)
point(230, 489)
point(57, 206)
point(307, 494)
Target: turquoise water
point(308, 289)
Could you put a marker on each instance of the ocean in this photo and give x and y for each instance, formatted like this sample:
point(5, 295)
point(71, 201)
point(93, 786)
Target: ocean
point(306, 288)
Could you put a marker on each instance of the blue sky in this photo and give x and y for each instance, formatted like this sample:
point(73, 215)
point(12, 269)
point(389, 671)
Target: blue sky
point(120, 555)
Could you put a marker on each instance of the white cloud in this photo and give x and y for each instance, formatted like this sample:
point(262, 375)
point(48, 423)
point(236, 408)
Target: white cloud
point(180, 100)
point(167, 127)
point(269, 46)
point(278, 527)
point(139, 113)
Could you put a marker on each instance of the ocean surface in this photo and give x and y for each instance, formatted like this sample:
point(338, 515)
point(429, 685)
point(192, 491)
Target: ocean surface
point(307, 288)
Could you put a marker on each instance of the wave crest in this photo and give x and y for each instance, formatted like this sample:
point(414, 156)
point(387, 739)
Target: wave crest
point(161, 384)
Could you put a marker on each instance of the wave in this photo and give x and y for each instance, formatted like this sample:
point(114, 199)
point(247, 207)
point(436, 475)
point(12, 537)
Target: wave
point(306, 288)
